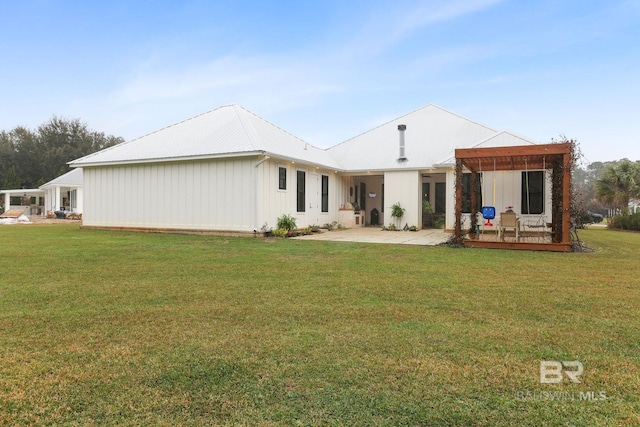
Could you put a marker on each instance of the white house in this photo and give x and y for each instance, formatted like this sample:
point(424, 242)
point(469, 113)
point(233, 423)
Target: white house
point(65, 188)
point(26, 197)
point(64, 191)
point(231, 170)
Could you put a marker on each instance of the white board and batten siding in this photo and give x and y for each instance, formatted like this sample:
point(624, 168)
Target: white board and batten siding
point(274, 202)
point(214, 194)
point(404, 187)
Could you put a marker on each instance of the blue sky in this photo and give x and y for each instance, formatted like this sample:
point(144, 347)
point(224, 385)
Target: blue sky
point(329, 70)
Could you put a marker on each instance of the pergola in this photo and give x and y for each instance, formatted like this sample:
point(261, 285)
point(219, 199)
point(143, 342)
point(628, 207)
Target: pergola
point(556, 157)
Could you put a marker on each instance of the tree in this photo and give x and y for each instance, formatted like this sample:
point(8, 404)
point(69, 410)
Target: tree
point(7, 156)
point(41, 155)
point(619, 184)
point(12, 180)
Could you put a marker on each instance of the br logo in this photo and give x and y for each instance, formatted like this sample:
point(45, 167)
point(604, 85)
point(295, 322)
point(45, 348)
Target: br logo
point(552, 372)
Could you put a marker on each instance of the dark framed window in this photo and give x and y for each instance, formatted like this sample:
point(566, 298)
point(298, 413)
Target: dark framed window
point(441, 198)
point(357, 197)
point(363, 196)
point(426, 192)
point(282, 178)
point(532, 201)
point(466, 193)
point(382, 199)
point(325, 193)
point(301, 202)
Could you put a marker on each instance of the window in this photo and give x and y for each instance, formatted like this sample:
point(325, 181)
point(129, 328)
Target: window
point(441, 197)
point(532, 201)
point(325, 193)
point(363, 196)
point(466, 193)
point(426, 192)
point(301, 191)
point(282, 178)
point(356, 199)
point(73, 203)
point(382, 199)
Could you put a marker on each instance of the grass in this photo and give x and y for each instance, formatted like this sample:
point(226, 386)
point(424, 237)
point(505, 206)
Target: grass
point(114, 328)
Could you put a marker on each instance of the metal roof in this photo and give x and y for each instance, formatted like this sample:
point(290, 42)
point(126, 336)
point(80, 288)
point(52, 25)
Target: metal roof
point(501, 139)
point(226, 131)
point(432, 134)
point(73, 178)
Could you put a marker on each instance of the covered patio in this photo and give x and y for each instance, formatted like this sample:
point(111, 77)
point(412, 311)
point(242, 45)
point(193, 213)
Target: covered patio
point(28, 200)
point(553, 157)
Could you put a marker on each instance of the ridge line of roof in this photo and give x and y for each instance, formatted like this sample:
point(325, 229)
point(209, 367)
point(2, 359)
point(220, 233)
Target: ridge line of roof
point(409, 113)
point(88, 156)
point(248, 128)
point(279, 128)
point(501, 131)
point(477, 145)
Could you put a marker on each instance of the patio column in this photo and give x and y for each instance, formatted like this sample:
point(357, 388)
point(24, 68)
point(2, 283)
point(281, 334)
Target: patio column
point(7, 201)
point(56, 200)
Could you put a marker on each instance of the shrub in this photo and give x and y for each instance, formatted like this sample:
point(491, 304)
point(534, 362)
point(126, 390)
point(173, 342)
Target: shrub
point(286, 222)
point(626, 222)
point(440, 222)
point(331, 226)
point(280, 232)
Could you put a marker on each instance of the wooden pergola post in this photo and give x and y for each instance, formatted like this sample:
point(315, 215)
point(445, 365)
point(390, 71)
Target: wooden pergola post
point(457, 233)
point(474, 203)
point(566, 198)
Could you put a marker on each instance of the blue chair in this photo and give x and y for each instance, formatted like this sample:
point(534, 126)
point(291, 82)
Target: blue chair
point(488, 213)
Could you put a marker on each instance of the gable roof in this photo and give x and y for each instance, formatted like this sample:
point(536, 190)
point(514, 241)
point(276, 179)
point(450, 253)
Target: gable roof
point(73, 178)
point(432, 133)
point(226, 131)
point(503, 138)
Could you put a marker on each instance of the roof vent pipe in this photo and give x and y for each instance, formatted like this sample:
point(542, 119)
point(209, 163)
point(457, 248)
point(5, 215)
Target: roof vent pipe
point(401, 129)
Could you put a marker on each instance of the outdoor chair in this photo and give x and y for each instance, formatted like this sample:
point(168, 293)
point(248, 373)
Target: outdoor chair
point(540, 228)
point(508, 221)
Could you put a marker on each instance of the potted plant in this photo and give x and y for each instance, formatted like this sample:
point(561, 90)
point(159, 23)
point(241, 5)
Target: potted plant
point(287, 223)
point(397, 212)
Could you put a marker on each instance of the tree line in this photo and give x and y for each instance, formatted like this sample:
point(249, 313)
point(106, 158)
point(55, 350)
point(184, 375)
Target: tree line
point(30, 158)
point(608, 186)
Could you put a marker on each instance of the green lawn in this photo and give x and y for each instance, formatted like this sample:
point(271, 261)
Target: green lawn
point(115, 328)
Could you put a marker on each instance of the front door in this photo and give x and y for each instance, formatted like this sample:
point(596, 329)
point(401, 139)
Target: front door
point(314, 199)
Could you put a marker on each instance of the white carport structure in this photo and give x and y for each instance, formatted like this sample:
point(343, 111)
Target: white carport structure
point(28, 208)
point(67, 186)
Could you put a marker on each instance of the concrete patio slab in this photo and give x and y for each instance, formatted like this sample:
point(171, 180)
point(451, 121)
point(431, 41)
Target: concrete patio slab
point(429, 237)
